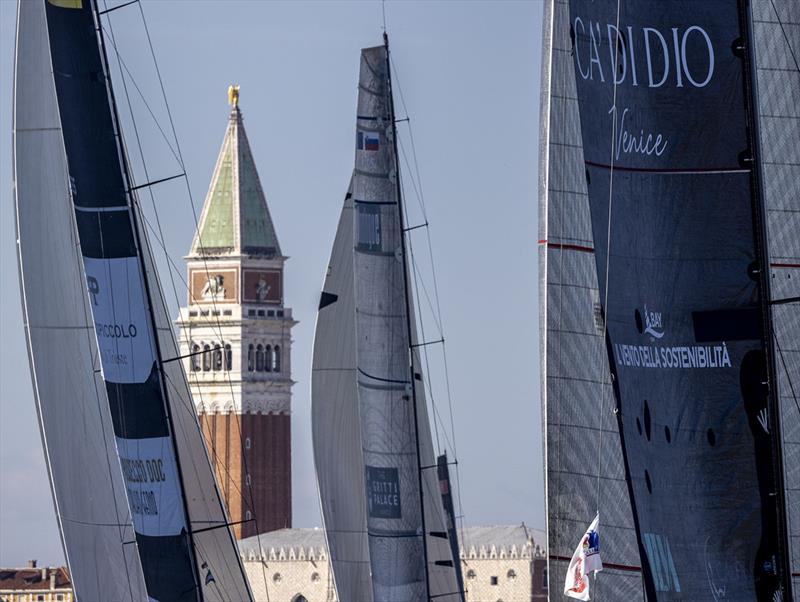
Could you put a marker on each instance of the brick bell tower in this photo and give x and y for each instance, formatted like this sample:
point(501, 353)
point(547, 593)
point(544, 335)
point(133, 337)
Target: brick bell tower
point(238, 333)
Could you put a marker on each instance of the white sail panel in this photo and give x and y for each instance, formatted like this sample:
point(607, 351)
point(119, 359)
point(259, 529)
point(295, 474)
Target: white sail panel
point(776, 29)
point(335, 421)
point(75, 421)
point(575, 374)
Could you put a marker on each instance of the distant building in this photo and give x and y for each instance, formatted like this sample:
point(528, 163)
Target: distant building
point(235, 336)
point(500, 564)
point(34, 584)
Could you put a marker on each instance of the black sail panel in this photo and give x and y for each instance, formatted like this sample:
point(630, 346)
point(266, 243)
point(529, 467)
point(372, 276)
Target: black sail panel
point(119, 304)
point(664, 129)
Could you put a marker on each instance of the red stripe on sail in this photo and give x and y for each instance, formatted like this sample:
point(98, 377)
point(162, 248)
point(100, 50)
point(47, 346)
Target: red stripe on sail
point(566, 247)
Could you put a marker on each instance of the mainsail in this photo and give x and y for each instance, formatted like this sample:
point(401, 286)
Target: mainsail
point(170, 540)
point(374, 456)
point(665, 183)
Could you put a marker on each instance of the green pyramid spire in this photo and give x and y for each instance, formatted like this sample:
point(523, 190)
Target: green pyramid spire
point(235, 218)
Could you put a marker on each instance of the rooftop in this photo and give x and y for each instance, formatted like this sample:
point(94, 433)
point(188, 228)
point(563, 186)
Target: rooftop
point(34, 578)
point(235, 218)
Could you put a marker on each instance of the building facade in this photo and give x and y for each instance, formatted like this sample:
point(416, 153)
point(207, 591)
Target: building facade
point(35, 584)
point(235, 336)
point(499, 564)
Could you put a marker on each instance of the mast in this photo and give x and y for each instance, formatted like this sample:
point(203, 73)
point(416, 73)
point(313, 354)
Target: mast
point(149, 295)
point(408, 314)
point(783, 568)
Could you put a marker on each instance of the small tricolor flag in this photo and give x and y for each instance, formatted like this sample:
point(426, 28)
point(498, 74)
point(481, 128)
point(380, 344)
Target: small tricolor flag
point(585, 560)
point(369, 141)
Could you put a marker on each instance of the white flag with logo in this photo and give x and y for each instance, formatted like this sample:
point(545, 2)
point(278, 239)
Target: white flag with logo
point(585, 560)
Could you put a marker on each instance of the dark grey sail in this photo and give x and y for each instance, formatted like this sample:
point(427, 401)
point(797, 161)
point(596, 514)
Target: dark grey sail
point(776, 29)
point(574, 367)
point(665, 115)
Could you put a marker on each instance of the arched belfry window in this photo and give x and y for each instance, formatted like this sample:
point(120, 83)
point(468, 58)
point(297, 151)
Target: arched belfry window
point(268, 359)
point(259, 358)
point(206, 358)
point(276, 359)
point(300, 598)
point(228, 357)
point(194, 361)
point(217, 358)
point(251, 358)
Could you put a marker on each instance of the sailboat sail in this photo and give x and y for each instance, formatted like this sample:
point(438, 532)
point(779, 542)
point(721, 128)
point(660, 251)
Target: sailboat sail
point(388, 489)
point(571, 333)
point(667, 165)
point(185, 549)
point(335, 421)
point(776, 29)
point(75, 421)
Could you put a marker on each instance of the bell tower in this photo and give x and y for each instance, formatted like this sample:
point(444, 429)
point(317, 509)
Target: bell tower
point(236, 336)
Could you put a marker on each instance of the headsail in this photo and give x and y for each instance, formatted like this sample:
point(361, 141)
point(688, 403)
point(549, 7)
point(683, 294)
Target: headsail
point(184, 545)
point(393, 494)
point(672, 194)
point(335, 422)
point(571, 330)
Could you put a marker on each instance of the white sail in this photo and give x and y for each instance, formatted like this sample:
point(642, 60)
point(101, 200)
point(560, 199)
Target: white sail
point(776, 29)
point(574, 369)
point(88, 490)
point(335, 423)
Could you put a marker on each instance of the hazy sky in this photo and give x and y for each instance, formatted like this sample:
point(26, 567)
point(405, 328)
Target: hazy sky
point(469, 76)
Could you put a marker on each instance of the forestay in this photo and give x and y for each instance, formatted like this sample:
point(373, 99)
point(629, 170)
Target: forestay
point(335, 422)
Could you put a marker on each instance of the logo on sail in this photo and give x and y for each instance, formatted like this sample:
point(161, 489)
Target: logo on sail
point(653, 323)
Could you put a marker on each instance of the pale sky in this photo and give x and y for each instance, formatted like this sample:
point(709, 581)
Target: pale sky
point(469, 75)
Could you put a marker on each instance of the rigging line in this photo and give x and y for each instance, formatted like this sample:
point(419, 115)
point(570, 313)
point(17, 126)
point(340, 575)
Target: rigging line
point(786, 369)
point(161, 239)
point(92, 343)
point(205, 264)
point(127, 176)
point(146, 104)
point(785, 36)
point(604, 314)
point(436, 414)
point(113, 8)
point(438, 313)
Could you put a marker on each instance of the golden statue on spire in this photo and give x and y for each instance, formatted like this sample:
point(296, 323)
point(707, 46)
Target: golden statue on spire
point(233, 95)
